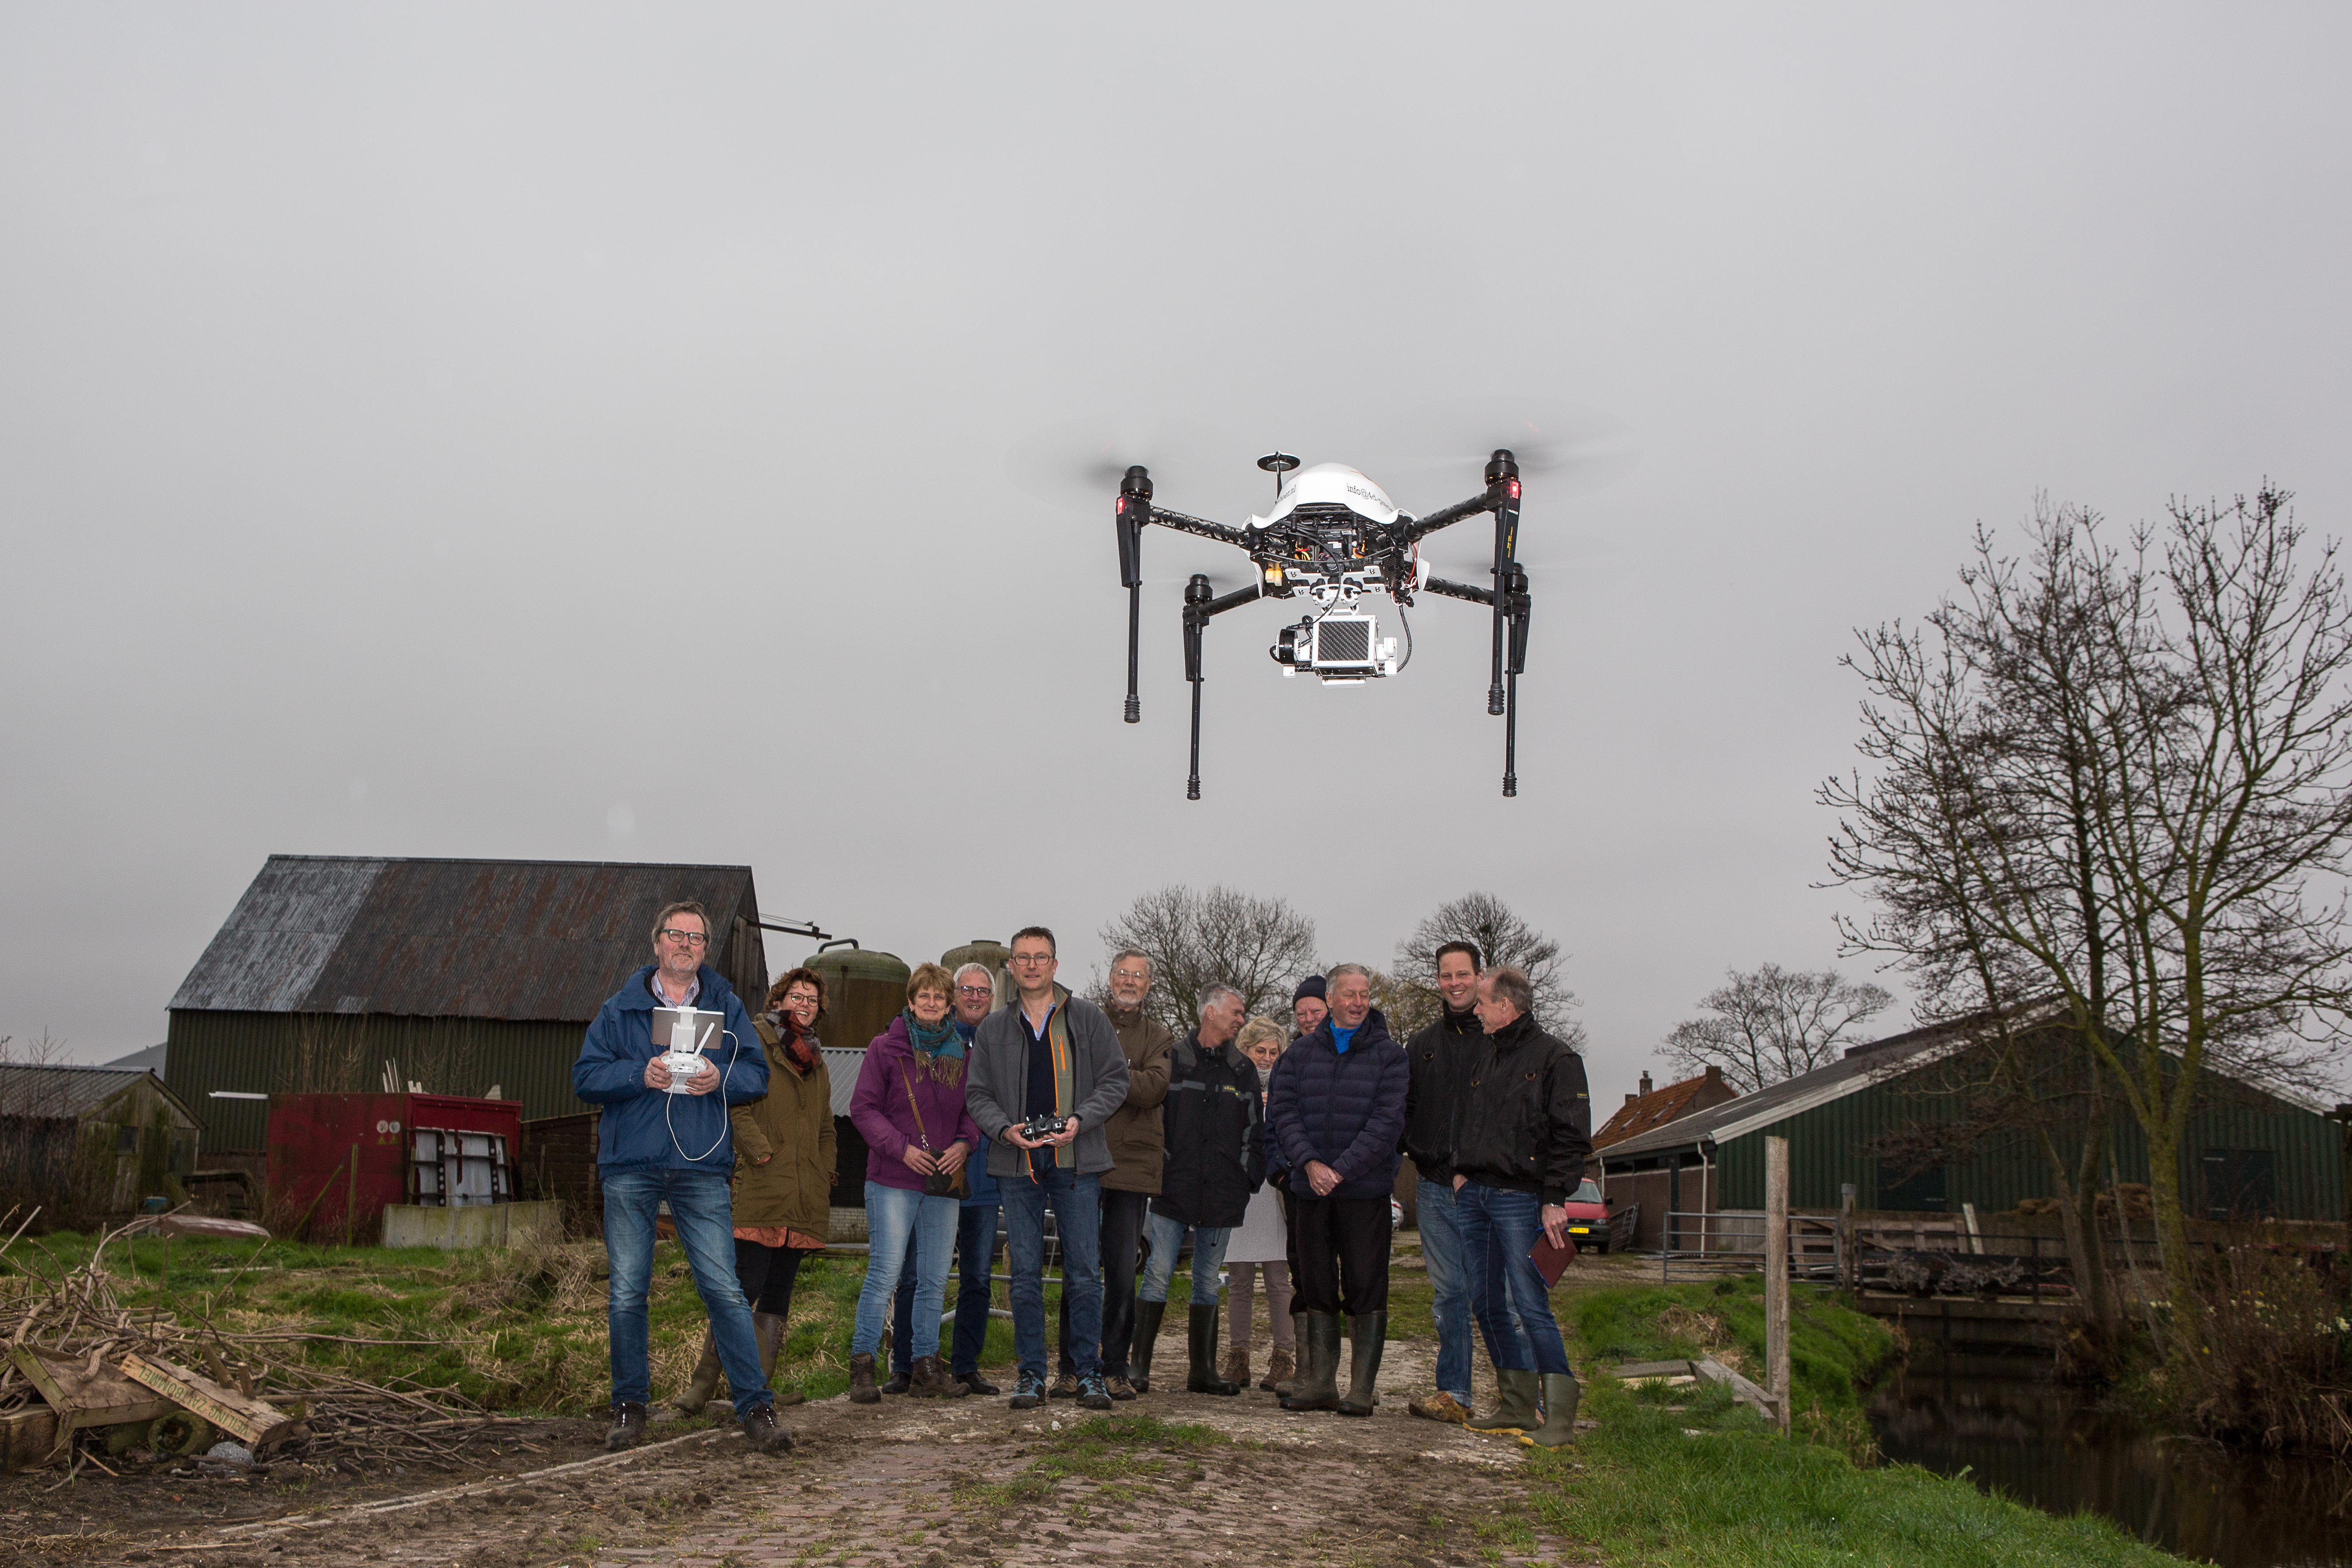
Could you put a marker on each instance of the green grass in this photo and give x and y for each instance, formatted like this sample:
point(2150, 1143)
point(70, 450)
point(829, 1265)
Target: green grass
point(1652, 1496)
point(1833, 1351)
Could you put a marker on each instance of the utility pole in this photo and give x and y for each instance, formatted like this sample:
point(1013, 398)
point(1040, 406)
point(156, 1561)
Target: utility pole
point(1776, 1275)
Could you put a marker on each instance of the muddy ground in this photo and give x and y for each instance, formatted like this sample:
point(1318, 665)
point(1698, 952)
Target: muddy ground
point(921, 1483)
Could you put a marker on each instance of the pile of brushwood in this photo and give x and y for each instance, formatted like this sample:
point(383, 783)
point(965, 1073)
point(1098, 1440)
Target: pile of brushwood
point(85, 1381)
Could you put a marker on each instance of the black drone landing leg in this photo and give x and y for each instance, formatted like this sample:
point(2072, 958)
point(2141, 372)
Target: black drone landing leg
point(1134, 511)
point(1514, 603)
point(1503, 480)
point(1134, 619)
point(1202, 605)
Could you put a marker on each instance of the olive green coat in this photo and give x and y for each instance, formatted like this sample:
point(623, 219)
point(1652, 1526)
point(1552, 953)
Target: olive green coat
point(784, 1144)
point(1136, 1143)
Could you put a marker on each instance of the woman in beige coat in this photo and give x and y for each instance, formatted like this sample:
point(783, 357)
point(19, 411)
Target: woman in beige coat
point(783, 1175)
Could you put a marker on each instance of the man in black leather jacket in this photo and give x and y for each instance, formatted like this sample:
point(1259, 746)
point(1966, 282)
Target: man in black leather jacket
point(1522, 1137)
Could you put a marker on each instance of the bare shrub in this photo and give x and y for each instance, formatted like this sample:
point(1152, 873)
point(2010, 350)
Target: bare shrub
point(2273, 1367)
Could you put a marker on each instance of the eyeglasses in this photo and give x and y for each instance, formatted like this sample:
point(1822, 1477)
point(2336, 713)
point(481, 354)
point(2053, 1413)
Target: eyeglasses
point(976, 989)
point(800, 999)
point(1025, 958)
point(684, 938)
point(1130, 975)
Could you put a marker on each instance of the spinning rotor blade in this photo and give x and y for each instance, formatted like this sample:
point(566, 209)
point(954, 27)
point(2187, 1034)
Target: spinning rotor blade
point(1574, 449)
point(1078, 463)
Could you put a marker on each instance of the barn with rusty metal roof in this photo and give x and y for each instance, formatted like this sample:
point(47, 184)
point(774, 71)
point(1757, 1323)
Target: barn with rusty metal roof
point(340, 973)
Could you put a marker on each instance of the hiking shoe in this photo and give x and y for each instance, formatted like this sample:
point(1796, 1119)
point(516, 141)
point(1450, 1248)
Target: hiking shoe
point(976, 1382)
point(1031, 1393)
point(900, 1381)
point(1440, 1407)
point(861, 1381)
point(1279, 1372)
point(1065, 1386)
point(1119, 1387)
point(1092, 1393)
point(767, 1434)
point(628, 1428)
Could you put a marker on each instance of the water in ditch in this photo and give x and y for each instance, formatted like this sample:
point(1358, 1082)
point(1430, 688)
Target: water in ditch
point(2014, 1429)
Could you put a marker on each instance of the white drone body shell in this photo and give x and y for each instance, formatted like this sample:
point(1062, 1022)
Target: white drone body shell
point(1332, 484)
point(1337, 622)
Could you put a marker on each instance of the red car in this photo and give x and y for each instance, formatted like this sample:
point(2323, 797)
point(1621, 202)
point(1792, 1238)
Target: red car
point(1588, 1217)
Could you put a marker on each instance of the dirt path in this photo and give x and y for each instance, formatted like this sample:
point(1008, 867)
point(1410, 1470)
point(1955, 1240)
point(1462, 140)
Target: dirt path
point(924, 1484)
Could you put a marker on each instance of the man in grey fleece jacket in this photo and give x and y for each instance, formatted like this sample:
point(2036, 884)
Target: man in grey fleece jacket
point(1049, 1053)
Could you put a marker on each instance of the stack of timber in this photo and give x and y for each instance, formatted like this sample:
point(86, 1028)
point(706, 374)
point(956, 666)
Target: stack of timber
point(85, 1380)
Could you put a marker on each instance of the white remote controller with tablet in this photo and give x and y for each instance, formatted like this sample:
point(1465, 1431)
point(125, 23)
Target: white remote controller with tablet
point(688, 1033)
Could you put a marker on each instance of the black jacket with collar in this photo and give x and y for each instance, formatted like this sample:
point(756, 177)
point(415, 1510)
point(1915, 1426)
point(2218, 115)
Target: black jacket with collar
point(1526, 1120)
point(1442, 1056)
point(1215, 1135)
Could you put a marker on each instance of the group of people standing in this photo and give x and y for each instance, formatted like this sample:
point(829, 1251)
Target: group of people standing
point(1267, 1148)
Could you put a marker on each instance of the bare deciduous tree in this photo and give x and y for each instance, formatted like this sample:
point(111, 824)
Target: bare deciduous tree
point(2123, 777)
point(1502, 937)
point(1260, 947)
point(1772, 1023)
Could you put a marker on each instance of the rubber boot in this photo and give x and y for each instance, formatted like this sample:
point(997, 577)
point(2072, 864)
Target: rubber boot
point(769, 1330)
point(701, 1386)
point(1366, 1333)
point(1203, 1337)
point(1560, 1394)
point(1516, 1413)
point(1317, 1385)
point(1147, 1334)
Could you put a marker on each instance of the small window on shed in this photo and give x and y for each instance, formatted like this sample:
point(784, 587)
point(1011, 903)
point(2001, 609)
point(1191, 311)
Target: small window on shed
point(126, 1139)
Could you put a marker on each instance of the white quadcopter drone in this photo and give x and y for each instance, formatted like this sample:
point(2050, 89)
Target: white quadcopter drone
point(1335, 539)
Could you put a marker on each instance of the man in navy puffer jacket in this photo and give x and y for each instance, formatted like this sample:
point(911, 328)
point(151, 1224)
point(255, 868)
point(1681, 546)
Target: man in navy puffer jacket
point(656, 1146)
point(1337, 1108)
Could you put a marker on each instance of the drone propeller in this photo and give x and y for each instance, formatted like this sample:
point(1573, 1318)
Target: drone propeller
point(1078, 463)
point(1555, 440)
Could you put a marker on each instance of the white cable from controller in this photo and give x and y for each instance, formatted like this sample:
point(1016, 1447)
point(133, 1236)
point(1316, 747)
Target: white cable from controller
point(669, 1103)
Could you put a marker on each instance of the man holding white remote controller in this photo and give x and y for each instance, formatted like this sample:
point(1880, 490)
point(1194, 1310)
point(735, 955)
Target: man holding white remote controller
point(665, 1136)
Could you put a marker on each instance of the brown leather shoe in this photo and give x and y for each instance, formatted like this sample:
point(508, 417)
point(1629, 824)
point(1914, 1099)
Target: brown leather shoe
point(1064, 1387)
point(1119, 1387)
point(1236, 1367)
point(1279, 1372)
point(1439, 1407)
point(861, 1381)
point(929, 1380)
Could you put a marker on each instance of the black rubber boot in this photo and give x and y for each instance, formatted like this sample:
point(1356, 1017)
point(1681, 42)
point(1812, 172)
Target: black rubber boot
point(1367, 1331)
point(1147, 1334)
point(1317, 1385)
point(1202, 1336)
point(1561, 1394)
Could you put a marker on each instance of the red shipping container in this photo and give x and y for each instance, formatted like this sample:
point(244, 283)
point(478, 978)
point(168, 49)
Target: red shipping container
point(343, 1157)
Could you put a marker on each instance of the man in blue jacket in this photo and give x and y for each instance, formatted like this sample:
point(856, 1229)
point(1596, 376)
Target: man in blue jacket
point(658, 1145)
point(1337, 1106)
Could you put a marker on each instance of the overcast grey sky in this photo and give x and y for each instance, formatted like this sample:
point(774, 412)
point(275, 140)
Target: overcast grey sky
point(420, 425)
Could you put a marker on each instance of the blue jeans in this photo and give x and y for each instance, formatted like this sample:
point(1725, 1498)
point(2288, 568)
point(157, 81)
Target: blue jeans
point(1076, 1202)
point(975, 1260)
point(703, 1211)
point(1166, 1235)
point(1449, 1285)
point(899, 1219)
point(1499, 1227)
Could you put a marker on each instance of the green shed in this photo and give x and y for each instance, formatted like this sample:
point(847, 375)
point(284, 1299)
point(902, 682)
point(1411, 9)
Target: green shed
point(2250, 1152)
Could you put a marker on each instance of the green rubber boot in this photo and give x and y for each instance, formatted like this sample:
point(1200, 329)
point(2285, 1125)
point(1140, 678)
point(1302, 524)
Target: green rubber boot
point(1560, 1394)
point(1517, 1413)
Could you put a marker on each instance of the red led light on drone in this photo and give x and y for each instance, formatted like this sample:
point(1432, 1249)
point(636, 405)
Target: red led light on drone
point(1122, 503)
point(1515, 490)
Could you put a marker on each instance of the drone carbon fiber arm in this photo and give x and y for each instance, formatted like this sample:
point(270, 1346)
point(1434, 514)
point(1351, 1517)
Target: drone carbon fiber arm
point(1221, 533)
point(1459, 591)
point(1408, 535)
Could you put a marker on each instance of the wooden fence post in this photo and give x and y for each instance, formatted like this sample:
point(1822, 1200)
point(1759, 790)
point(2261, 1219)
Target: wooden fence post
point(1775, 1274)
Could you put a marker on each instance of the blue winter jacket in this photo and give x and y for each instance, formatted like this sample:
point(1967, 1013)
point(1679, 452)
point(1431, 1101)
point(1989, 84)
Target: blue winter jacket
point(647, 1129)
point(1345, 1108)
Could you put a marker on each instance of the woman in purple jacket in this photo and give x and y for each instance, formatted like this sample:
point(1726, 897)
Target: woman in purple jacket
point(909, 1108)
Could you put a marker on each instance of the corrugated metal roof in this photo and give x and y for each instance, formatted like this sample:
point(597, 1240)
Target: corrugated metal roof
point(1857, 1069)
point(545, 939)
point(50, 1092)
